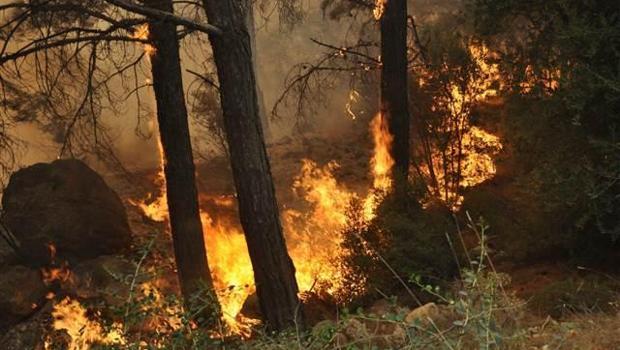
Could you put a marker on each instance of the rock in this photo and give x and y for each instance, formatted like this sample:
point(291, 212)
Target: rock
point(423, 313)
point(22, 292)
point(355, 330)
point(34, 333)
point(441, 315)
point(371, 335)
point(380, 308)
point(68, 205)
point(383, 307)
point(107, 278)
point(318, 308)
point(7, 254)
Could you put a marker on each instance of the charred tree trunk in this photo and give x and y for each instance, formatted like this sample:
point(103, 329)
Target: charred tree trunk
point(274, 272)
point(179, 169)
point(394, 96)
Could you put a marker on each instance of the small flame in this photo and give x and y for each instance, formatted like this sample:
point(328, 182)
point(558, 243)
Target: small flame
point(142, 33)
point(379, 9)
point(381, 161)
point(354, 97)
point(53, 274)
point(156, 208)
point(549, 79)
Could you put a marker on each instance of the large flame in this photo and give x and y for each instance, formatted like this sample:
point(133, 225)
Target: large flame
point(473, 149)
point(382, 162)
point(313, 231)
point(313, 234)
point(230, 265)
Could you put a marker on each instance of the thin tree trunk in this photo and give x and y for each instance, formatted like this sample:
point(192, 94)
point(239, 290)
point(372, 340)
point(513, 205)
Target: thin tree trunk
point(394, 97)
point(274, 272)
point(179, 169)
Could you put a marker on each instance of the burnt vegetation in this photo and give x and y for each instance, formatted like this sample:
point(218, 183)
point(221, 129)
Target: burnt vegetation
point(325, 174)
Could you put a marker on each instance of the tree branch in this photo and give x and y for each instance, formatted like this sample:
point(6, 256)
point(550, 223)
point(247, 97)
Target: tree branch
point(165, 16)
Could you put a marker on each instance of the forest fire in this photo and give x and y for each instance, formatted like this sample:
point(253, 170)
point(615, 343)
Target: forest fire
point(320, 225)
point(463, 154)
point(454, 217)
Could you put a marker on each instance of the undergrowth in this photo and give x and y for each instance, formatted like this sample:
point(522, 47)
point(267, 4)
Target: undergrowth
point(474, 312)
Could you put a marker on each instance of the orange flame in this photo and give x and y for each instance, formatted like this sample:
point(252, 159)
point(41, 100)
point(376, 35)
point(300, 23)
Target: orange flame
point(313, 235)
point(478, 146)
point(142, 33)
point(71, 316)
point(379, 8)
point(381, 163)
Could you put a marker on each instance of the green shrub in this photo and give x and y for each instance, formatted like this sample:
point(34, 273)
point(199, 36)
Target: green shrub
point(402, 239)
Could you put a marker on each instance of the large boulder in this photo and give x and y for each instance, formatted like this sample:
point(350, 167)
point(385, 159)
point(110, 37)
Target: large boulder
point(22, 292)
point(64, 211)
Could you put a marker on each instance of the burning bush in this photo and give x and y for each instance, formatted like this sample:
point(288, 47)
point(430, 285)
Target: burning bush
point(402, 239)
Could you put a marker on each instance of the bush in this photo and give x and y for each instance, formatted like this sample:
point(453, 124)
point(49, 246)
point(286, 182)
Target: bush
point(565, 298)
point(402, 239)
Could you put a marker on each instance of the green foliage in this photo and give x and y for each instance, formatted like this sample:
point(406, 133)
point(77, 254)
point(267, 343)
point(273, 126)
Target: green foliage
point(540, 205)
point(474, 313)
point(402, 239)
point(563, 139)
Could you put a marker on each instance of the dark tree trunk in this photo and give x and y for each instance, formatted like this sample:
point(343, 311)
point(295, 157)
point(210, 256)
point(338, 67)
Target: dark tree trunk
point(262, 110)
point(179, 169)
point(274, 272)
point(394, 97)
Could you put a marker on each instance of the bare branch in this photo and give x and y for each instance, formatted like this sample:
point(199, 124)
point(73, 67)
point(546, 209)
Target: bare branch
point(165, 16)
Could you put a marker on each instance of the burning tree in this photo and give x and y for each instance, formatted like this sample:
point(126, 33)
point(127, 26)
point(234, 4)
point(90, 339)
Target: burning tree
point(353, 61)
point(274, 272)
point(449, 76)
point(73, 50)
point(182, 196)
point(394, 97)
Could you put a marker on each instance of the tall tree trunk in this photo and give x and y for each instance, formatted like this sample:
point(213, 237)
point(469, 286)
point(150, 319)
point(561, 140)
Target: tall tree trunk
point(179, 169)
point(394, 96)
point(262, 110)
point(274, 272)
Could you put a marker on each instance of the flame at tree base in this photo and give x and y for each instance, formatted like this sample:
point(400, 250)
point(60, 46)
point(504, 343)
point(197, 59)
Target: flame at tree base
point(313, 236)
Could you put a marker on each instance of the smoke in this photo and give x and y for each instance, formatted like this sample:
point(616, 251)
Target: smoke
point(133, 128)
